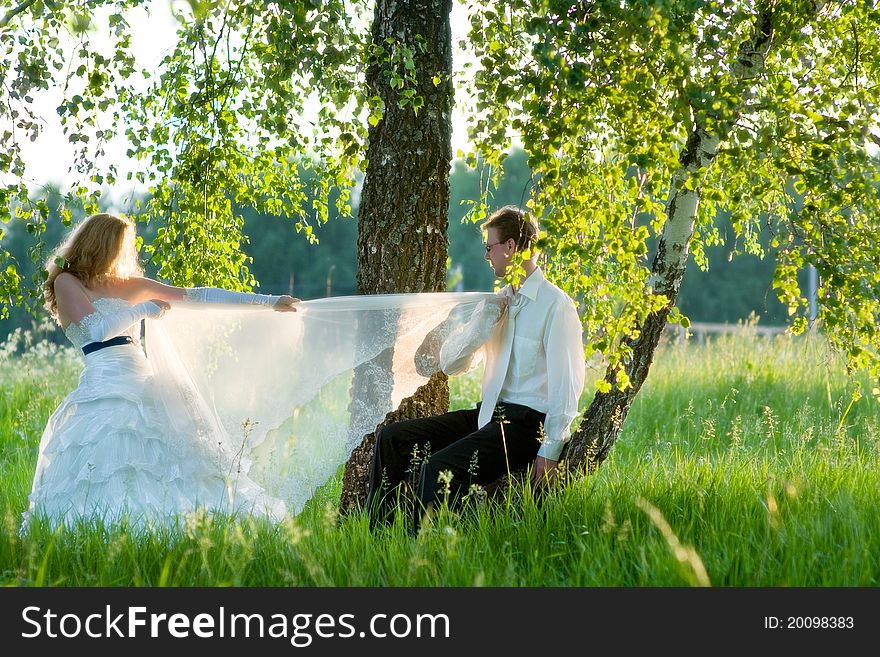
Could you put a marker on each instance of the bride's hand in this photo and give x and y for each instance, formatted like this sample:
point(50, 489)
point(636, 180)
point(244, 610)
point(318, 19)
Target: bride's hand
point(285, 304)
point(163, 306)
point(502, 303)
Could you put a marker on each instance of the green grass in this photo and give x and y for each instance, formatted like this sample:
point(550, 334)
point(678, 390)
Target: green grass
point(742, 463)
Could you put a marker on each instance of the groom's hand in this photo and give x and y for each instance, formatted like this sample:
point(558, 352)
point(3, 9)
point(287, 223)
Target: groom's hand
point(285, 304)
point(544, 472)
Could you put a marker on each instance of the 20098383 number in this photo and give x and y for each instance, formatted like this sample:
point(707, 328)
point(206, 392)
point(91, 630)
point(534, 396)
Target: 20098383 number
point(820, 622)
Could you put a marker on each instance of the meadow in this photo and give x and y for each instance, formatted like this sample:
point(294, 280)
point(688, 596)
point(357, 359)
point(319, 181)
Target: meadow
point(745, 461)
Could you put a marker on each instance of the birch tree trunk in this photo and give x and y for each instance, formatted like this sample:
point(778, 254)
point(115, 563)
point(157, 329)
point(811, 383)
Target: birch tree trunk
point(402, 223)
point(604, 418)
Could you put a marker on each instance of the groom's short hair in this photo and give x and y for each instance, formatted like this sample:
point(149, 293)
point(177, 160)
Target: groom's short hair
point(513, 223)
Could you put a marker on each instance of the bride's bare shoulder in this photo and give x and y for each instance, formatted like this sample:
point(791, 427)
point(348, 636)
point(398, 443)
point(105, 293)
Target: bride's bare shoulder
point(66, 278)
point(66, 282)
point(72, 298)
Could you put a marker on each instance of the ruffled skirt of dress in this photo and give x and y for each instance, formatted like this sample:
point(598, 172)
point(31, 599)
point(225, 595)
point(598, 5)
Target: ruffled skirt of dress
point(119, 447)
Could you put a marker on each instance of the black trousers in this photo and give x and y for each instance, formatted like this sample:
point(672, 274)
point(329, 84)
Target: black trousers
point(449, 444)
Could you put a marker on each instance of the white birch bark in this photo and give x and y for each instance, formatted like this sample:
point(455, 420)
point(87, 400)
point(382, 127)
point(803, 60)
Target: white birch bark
point(603, 420)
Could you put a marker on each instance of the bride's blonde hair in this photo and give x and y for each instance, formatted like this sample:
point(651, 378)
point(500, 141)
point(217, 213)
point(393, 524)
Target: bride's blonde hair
point(102, 248)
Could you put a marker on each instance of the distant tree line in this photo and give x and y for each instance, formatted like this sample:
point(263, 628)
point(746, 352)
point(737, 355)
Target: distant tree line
point(283, 260)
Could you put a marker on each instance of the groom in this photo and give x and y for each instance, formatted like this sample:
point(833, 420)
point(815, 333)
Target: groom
point(530, 336)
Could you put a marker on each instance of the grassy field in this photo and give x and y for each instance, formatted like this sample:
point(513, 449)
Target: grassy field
point(744, 462)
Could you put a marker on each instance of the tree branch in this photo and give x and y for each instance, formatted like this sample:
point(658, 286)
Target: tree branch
point(12, 13)
point(872, 137)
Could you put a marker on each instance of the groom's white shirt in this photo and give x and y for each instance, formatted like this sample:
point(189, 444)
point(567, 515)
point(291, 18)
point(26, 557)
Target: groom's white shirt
point(534, 356)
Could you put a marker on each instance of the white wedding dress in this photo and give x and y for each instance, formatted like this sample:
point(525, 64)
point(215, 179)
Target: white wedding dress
point(122, 446)
point(235, 409)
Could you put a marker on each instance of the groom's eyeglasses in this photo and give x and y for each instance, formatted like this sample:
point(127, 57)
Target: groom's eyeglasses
point(489, 246)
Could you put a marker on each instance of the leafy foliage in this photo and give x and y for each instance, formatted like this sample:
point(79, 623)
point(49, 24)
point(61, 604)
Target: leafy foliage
point(250, 95)
point(606, 96)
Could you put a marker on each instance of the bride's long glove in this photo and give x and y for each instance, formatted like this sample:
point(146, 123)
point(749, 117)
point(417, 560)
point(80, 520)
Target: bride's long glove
point(103, 327)
point(221, 296)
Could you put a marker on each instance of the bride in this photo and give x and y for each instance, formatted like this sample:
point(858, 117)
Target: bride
point(227, 408)
point(121, 445)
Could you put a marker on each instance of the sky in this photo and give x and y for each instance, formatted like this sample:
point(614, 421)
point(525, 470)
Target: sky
point(49, 158)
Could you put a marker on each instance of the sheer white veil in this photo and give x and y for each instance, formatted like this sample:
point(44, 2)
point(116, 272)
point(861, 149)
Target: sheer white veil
point(271, 394)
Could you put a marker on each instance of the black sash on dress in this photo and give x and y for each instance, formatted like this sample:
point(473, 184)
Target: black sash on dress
point(112, 342)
